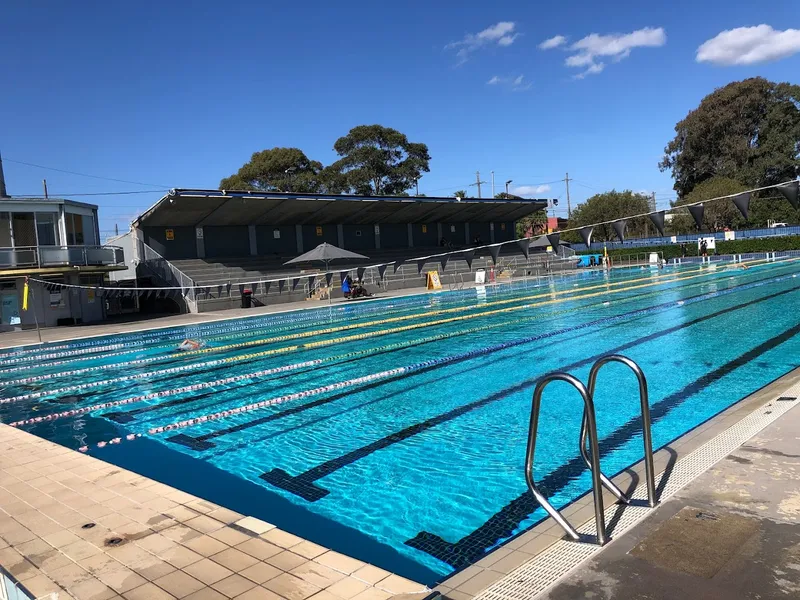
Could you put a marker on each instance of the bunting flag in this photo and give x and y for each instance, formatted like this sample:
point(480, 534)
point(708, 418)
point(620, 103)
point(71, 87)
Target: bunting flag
point(586, 235)
point(328, 279)
point(697, 214)
point(468, 255)
point(266, 287)
point(398, 264)
point(228, 289)
point(420, 264)
point(524, 245)
point(360, 273)
point(658, 220)
point(742, 202)
point(443, 261)
point(382, 270)
point(311, 280)
point(342, 275)
point(791, 191)
point(295, 283)
point(255, 288)
point(495, 252)
point(219, 291)
point(619, 227)
point(207, 290)
point(281, 283)
point(555, 240)
point(241, 289)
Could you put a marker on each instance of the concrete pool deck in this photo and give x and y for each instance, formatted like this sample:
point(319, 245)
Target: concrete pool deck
point(81, 528)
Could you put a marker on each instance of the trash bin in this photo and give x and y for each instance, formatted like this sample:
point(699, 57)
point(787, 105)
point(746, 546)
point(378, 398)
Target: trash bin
point(247, 298)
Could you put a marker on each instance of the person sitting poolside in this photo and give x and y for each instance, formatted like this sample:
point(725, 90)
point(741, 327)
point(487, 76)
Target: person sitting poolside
point(347, 286)
point(188, 344)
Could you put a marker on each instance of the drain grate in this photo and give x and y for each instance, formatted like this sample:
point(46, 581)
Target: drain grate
point(545, 569)
point(115, 541)
point(87, 526)
point(787, 399)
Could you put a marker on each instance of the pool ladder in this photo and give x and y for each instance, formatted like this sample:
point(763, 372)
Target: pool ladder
point(591, 454)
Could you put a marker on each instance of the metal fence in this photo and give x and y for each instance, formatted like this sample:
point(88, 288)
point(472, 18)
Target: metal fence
point(60, 256)
point(170, 275)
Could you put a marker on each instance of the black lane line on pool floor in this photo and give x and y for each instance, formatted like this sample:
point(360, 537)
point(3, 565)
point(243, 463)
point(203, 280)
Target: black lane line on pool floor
point(201, 443)
point(503, 524)
point(304, 484)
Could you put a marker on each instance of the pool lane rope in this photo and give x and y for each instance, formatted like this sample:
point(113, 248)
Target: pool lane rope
point(293, 348)
point(286, 349)
point(420, 366)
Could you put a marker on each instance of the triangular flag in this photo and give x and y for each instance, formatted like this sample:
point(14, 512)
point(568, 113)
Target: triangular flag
point(328, 279)
point(228, 289)
point(555, 240)
point(443, 261)
point(468, 255)
point(586, 235)
point(360, 273)
point(742, 202)
point(311, 280)
point(266, 286)
point(295, 283)
point(219, 291)
point(241, 288)
point(619, 227)
point(524, 245)
point(207, 290)
point(281, 283)
point(398, 264)
point(697, 214)
point(495, 252)
point(382, 270)
point(420, 264)
point(342, 275)
point(658, 220)
point(791, 191)
point(255, 288)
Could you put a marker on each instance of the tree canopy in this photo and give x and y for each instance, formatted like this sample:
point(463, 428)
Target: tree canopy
point(277, 170)
point(748, 131)
point(380, 161)
point(459, 194)
point(716, 215)
point(606, 207)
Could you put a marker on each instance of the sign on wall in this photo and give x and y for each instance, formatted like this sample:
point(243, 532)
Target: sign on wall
point(198, 232)
point(276, 234)
point(424, 229)
point(170, 234)
point(319, 231)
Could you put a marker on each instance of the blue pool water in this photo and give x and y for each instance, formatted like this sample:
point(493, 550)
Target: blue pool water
point(395, 430)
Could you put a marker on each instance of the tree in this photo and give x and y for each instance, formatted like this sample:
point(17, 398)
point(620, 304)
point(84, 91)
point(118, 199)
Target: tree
point(609, 206)
point(533, 224)
point(460, 194)
point(277, 170)
point(379, 161)
point(748, 131)
point(504, 196)
point(717, 215)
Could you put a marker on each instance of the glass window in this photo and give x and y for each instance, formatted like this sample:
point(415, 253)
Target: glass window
point(46, 229)
point(24, 228)
point(88, 230)
point(5, 230)
point(74, 230)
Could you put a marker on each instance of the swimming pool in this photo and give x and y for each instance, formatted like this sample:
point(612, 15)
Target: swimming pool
point(395, 430)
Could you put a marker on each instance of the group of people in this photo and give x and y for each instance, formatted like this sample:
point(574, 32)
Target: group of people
point(354, 289)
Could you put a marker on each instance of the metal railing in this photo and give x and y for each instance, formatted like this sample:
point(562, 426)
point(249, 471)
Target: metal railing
point(591, 454)
point(60, 256)
point(170, 275)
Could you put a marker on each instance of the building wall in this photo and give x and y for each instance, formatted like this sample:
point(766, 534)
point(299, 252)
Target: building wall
point(355, 242)
point(394, 235)
point(226, 241)
point(67, 305)
point(182, 246)
point(482, 230)
point(285, 245)
point(502, 234)
point(425, 238)
point(311, 240)
point(457, 237)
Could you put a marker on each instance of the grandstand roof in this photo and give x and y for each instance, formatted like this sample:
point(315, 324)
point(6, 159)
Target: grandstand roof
point(183, 207)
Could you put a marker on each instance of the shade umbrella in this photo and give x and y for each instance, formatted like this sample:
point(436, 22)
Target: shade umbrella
point(326, 253)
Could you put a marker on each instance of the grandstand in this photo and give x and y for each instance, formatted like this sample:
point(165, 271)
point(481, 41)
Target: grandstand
point(216, 241)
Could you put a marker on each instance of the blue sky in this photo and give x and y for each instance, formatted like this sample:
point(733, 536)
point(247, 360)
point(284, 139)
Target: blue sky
point(163, 94)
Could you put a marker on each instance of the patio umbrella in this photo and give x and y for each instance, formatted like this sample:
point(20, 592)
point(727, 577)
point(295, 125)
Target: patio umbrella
point(326, 253)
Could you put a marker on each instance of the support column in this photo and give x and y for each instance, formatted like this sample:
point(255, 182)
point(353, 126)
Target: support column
point(251, 231)
point(491, 233)
point(340, 235)
point(467, 239)
point(377, 229)
point(298, 232)
point(200, 242)
point(438, 233)
point(410, 236)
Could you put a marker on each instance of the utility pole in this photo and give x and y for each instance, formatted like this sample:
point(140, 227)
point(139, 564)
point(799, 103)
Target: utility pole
point(492, 184)
point(44, 184)
point(507, 182)
point(478, 182)
point(569, 207)
point(416, 185)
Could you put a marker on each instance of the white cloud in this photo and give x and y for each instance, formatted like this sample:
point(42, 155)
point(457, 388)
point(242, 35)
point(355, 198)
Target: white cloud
point(749, 45)
point(529, 190)
point(614, 46)
point(517, 84)
point(502, 34)
point(553, 42)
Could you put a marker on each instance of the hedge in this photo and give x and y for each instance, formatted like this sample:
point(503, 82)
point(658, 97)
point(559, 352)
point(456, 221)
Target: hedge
point(746, 246)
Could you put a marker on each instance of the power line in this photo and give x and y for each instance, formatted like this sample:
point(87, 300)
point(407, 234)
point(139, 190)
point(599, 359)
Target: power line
point(19, 162)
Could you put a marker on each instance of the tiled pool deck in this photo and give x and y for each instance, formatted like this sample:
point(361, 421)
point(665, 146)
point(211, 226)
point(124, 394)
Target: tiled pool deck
point(85, 529)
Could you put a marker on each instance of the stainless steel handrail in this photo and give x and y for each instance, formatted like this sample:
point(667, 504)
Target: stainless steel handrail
point(595, 456)
point(646, 426)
